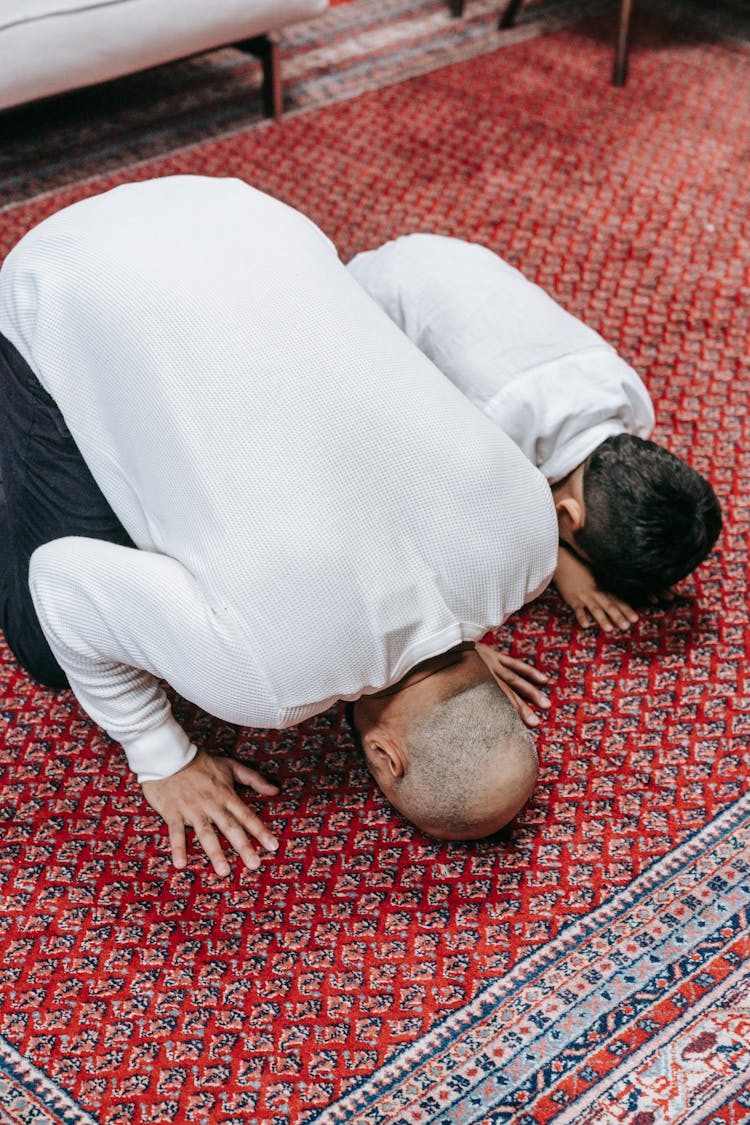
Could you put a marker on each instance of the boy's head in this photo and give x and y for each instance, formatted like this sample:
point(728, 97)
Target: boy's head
point(649, 518)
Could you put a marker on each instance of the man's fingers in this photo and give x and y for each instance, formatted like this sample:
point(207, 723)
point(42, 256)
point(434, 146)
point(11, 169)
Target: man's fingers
point(534, 695)
point(235, 823)
point(177, 843)
point(524, 711)
point(247, 776)
point(209, 841)
point(522, 669)
point(202, 796)
point(526, 690)
point(235, 834)
point(518, 680)
point(246, 820)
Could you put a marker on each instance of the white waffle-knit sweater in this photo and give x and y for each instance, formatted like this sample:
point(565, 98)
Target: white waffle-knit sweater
point(552, 384)
point(316, 508)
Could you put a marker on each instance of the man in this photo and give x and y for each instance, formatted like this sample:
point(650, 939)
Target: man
point(220, 472)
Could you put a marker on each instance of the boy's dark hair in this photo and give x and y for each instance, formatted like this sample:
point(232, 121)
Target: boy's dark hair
point(650, 519)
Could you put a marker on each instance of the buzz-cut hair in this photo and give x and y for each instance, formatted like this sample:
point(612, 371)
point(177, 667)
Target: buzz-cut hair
point(455, 750)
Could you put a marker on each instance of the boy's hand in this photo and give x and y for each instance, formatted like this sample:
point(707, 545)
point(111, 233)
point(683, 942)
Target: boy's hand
point(577, 587)
point(202, 795)
point(664, 597)
point(518, 680)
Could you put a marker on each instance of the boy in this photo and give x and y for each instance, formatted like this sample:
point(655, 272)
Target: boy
point(633, 518)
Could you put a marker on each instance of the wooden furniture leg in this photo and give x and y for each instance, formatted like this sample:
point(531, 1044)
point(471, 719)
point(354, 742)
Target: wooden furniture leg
point(509, 13)
point(620, 72)
point(266, 48)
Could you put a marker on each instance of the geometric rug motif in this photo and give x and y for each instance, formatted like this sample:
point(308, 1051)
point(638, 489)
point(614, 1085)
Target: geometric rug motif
point(639, 1014)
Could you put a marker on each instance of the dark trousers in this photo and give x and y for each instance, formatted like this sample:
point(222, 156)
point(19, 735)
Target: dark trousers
point(48, 493)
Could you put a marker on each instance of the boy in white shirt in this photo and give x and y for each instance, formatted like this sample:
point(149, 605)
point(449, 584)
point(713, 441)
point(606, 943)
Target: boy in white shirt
point(633, 518)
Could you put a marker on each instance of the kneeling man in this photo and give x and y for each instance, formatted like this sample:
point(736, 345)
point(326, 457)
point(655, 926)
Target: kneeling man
point(227, 469)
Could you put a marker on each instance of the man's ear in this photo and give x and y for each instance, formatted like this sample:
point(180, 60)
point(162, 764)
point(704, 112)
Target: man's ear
point(571, 514)
point(385, 754)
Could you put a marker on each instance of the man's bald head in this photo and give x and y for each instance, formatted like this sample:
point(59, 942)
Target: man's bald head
point(451, 753)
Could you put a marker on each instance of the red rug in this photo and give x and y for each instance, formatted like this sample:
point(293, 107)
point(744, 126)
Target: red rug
point(608, 931)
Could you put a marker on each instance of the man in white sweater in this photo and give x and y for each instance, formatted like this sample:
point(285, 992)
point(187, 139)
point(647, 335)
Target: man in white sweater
point(634, 519)
point(227, 469)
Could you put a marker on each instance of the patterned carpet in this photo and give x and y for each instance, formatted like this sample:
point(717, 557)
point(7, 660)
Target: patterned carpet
point(589, 965)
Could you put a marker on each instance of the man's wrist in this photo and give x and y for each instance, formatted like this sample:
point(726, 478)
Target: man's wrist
point(159, 753)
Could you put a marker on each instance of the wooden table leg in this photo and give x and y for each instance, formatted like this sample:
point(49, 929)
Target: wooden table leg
point(266, 48)
point(509, 13)
point(620, 71)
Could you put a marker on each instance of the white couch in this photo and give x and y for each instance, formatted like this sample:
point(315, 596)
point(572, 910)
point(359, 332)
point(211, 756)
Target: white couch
point(50, 46)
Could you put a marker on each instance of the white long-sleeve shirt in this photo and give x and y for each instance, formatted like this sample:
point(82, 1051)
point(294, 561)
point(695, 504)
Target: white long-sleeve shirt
point(316, 508)
point(552, 384)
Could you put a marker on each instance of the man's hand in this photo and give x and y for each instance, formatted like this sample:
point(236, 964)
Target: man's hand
point(202, 795)
point(577, 587)
point(518, 680)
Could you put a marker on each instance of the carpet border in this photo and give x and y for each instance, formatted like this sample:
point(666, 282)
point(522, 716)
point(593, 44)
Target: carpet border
point(37, 1087)
point(536, 963)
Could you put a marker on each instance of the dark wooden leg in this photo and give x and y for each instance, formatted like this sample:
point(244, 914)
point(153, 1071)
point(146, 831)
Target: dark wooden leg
point(620, 72)
point(457, 8)
point(509, 13)
point(266, 48)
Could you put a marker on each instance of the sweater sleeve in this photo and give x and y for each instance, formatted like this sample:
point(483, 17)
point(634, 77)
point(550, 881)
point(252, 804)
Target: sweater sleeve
point(559, 412)
point(547, 380)
point(119, 620)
